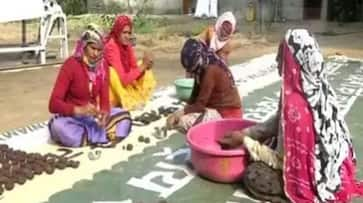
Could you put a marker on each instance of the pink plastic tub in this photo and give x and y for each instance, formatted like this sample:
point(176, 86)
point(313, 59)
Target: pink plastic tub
point(207, 156)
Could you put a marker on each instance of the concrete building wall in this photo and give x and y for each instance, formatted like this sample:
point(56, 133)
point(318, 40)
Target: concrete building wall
point(293, 9)
point(175, 6)
point(237, 7)
point(153, 6)
point(167, 6)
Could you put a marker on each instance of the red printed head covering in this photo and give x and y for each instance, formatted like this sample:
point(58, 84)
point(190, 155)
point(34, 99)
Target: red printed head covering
point(125, 51)
point(120, 23)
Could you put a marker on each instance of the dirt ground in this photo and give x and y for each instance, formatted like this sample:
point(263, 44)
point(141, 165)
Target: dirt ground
point(24, 95)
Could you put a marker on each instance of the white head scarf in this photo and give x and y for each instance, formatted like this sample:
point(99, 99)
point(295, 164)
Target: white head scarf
point(216, 42)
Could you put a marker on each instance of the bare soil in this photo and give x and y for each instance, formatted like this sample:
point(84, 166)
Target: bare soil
point(25, 94)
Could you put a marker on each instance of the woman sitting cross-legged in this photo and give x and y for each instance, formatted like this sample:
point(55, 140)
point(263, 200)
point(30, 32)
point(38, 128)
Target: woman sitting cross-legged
point(131, 83)
point(80, 99)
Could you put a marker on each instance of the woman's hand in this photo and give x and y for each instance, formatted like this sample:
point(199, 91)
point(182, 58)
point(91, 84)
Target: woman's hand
point(147, 60)
point(173, 119)
point(102, 118)
point(232, 139)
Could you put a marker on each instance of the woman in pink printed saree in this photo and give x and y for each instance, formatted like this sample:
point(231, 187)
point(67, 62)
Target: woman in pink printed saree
point(313, 151)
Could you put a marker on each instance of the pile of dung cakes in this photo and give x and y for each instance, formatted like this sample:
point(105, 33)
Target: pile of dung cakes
point(149, 117)
point(17, 167)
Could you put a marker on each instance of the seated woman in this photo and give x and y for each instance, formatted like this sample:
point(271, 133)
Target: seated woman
point(130, 85)
point(314, 155)
point(214, 94)
point(80, 99)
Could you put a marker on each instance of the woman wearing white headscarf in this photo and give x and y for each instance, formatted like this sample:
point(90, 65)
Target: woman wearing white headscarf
point(218, 35)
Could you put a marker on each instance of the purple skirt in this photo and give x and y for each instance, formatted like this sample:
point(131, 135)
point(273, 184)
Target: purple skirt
point(70, 131)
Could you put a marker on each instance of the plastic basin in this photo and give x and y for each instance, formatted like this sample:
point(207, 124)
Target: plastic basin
point(207, 156)
point(184, 88)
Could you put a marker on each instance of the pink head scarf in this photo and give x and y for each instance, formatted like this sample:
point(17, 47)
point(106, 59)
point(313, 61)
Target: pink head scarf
point(91, 35)
point(126, 51)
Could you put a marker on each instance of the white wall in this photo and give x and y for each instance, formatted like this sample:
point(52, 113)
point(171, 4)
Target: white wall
point(292, 9)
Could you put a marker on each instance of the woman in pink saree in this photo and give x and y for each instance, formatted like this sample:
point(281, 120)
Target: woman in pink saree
point(313, 151)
